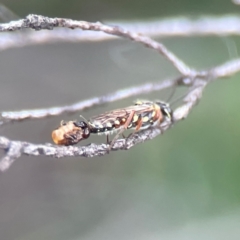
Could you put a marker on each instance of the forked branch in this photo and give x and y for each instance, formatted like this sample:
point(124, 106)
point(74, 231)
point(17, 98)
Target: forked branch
point(196, 81)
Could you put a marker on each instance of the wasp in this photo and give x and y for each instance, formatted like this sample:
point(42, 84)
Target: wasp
point(142, 115)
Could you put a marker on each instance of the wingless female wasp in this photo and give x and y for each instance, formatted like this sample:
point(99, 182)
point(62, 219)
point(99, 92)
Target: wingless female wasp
point(142, 115)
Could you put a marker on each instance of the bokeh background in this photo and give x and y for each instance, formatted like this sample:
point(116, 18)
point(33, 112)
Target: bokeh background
point(183, 185)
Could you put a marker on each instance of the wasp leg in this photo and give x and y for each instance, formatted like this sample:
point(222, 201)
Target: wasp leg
point(139, 124)
point(108, 142)
point(62, 123)
point(129, 119)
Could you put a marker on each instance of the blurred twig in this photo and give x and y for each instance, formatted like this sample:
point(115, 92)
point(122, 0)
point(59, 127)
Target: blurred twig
point(195, 80)
point(170, 27)
point(38, 22)
point(8, 116)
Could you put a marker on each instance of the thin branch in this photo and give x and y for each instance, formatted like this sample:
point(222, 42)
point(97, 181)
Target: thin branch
point(38, 22)
point(225, 70)
point(13, 151)
point(91, 150)
point(225, 25)
point(88, 103)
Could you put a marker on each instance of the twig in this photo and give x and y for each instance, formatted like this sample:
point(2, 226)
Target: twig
point(38, 22)
point(85, 104)
point(225, 25)
point(225, 70)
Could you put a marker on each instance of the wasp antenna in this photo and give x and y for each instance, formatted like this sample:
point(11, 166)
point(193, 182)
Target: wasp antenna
point(85, 121)
point(172, 93)
point(81, 116)
point(181, 97)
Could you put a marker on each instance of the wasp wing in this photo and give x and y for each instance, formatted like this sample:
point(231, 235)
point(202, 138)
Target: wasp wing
point(122, 113)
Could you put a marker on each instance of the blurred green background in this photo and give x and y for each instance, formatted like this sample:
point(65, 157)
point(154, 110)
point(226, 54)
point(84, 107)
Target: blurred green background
point(183, 185)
